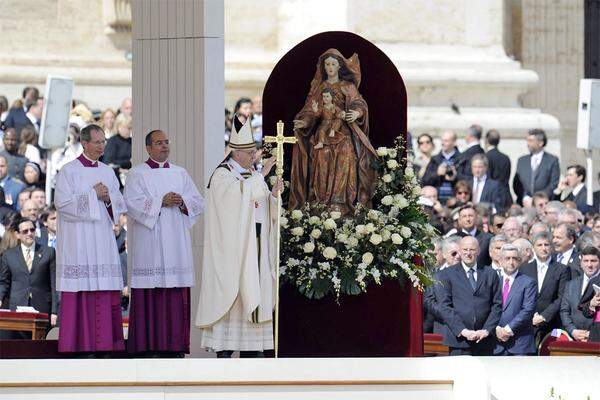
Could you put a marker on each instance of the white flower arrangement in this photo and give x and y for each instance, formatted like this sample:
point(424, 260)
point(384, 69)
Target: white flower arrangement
point(343, 255)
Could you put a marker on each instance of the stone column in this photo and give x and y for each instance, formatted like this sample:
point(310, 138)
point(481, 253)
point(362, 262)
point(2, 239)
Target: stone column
point(178, 86)
point(552, 45)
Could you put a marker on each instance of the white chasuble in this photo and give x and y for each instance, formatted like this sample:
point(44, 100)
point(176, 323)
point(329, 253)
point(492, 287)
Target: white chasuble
point(237, 290)
point(87, 258)
point(159, 238)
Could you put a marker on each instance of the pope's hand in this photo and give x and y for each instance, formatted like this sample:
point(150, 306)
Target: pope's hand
point(53, 319)
point(277, 187)
point(102, 191)
point(315, 106)
point(268, 166)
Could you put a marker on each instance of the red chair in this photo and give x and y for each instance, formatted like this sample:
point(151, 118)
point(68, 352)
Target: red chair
point(557, 335)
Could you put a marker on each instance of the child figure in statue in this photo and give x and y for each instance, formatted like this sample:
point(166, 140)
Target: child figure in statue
point(331, 119)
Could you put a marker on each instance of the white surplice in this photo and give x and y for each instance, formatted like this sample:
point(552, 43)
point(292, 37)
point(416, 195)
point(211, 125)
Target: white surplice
point(234, 285)
point(159, 238)
point(87, 258)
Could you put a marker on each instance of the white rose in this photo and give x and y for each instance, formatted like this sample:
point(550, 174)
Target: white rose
point(296, 214)
point(370, 228)
point(352, 242)
point(298, 231)
point(375, 239)
point(309, 247)
point(387, 178)
point(385, 234)
point(329, 253)
point(392, 153)
point(342, 238)
point(409, 172)
point(392, 164)
point(329, 224)
point(405, 232)
point(416, 190)
point(284, 221)
point(382, 151)
point(387, 200)
point(367, 258)
point(401, 201)
point(314, 220)
point(397, 239)
point(373, 214)
point(316, 233)
point(361, 229)
point(336, 214)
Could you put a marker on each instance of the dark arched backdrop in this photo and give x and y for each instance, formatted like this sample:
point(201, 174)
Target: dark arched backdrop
point(381, 86)
point(387, 320)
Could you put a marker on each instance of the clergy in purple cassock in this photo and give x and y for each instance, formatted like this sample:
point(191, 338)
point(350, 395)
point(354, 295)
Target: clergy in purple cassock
point(163, 204)
point(88, 269)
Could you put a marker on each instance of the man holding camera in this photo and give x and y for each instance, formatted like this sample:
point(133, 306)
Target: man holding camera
point(447, 160)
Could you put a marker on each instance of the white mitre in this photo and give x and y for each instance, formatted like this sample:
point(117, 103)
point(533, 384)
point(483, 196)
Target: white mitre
point(242, 139)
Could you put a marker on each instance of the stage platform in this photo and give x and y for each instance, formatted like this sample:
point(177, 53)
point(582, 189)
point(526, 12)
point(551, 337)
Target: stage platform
point(464, 378)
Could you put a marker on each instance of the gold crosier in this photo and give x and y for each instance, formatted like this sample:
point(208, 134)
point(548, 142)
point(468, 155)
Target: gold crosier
point(280, 140)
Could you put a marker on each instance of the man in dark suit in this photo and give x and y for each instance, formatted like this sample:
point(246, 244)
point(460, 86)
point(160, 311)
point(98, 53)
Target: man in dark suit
point(473, 137)
point(564, 237)
point(515, 329)
point(572, 188)
point(596, 198)
point(551, 278)
point(470, 303)
point(590, 301)
point(573, 320)
point(28, 273)
point(446, 161)
point(16, 161)
point(538, 171)
point(17, 116)
point(467, 217)
point(483, 188)
point(499, 163)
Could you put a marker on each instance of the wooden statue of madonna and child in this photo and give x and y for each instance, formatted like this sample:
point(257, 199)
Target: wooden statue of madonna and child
point(345, 116)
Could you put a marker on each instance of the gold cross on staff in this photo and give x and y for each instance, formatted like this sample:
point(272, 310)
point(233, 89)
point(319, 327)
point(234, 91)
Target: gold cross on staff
point(280, 139)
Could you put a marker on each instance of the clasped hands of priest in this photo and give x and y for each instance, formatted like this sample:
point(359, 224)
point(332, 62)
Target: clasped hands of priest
point(102, 192)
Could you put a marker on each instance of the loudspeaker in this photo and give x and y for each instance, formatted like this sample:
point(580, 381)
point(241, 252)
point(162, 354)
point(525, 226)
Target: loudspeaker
point(588, 122)
point(57, 107)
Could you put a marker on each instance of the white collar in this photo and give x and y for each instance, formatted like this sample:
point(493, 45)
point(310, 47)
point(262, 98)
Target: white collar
point(481, 179)
point(567, 255)
point(448, 155)
point(544, 263)
point(466, 268)
point(237, 167)
point(510, 277)
point(24, 248)
point(472, 144)
point(539, 154)
point(160, 164)
point(87, 158)
point(577, 189)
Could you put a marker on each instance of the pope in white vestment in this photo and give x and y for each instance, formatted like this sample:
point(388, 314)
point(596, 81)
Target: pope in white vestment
point(88, 268)
point(237, 285)
point(160, 245)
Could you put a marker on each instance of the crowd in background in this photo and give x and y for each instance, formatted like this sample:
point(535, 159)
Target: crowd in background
point(549, 220)
point(467, 193)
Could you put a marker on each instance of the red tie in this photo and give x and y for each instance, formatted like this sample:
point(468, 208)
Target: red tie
point(505, 290)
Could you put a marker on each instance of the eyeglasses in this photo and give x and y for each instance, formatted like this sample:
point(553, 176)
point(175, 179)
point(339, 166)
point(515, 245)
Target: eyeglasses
point(499, 226)
point(454, 253)
point(30, 230)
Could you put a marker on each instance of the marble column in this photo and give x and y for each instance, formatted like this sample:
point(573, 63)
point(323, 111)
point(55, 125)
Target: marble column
point(178, 87)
